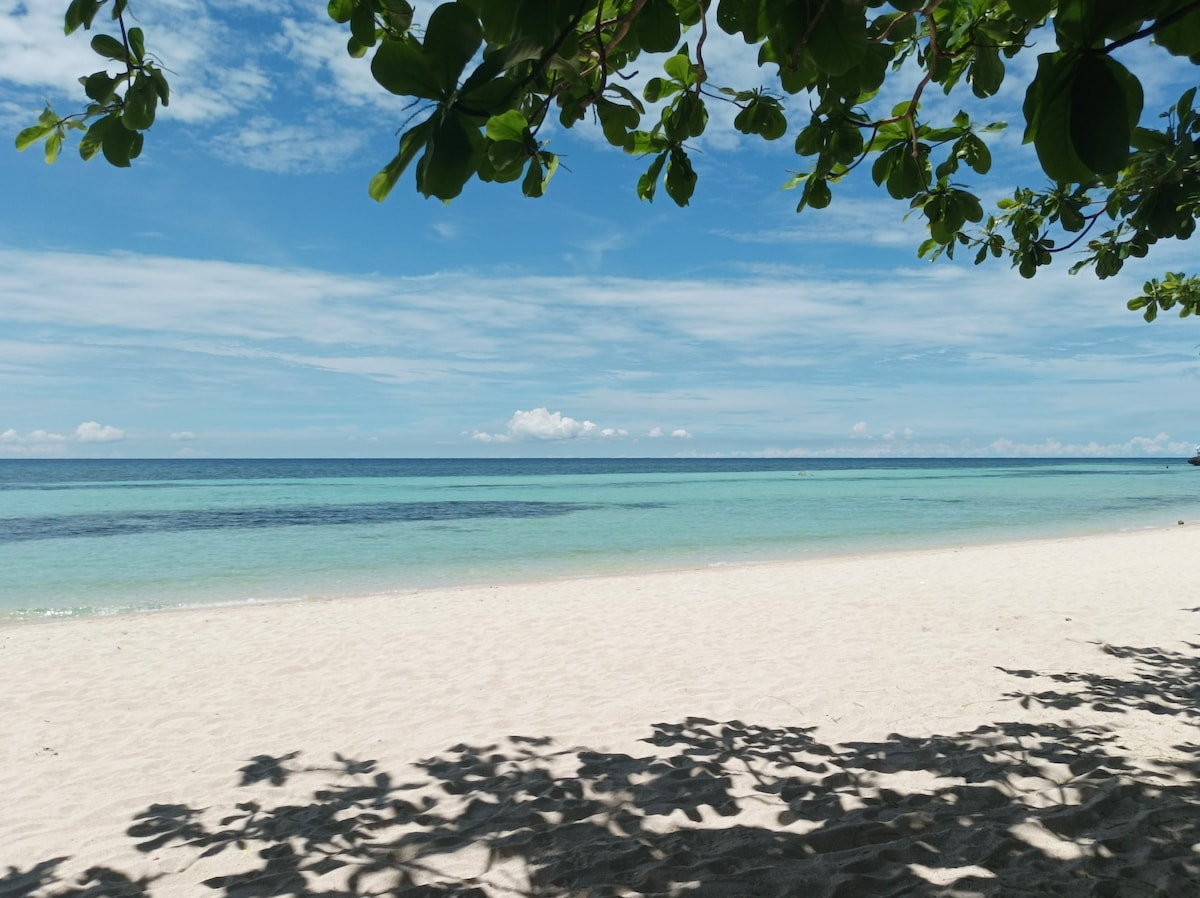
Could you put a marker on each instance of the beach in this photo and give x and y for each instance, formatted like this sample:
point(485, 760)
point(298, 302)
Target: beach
point(984, 720)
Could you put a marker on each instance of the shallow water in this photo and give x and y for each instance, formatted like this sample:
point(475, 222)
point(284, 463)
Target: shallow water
point(94, 537)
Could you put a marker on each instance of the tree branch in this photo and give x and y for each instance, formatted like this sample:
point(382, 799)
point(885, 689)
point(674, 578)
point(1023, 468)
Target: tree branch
point(1158, 25)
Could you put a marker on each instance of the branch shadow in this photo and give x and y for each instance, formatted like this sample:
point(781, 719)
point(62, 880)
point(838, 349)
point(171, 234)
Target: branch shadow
point(711, 810)
point(1164, 682)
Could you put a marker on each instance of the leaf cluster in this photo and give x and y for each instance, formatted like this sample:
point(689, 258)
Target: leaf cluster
point(122, 105)
point(480, 81)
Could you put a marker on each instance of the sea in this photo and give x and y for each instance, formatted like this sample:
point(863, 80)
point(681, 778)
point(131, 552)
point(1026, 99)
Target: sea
point(81, 538)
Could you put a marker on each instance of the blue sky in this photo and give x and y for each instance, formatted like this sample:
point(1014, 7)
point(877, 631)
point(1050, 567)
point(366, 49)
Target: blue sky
point(238, 294)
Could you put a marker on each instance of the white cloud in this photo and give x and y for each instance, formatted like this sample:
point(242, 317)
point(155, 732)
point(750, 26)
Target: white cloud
point(34, 443)
point(94, 432)
point(267, 144)
point(316, 48)
point(11, 436)
point(874, 221)
point(33, 50)
point(1161, 444)
point(859, 430)
point(183, 435)
point(210, 66)
point(728, 351)
point(542, 424)
point(484, 437)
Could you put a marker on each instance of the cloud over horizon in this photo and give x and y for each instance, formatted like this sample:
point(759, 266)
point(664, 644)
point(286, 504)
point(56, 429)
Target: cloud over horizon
point(41, 442)
point(542, 424)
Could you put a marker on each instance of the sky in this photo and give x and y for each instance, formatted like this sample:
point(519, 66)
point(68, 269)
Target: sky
point(236, 293)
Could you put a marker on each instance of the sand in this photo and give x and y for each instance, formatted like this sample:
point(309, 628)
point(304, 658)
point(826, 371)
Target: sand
point(999, 720)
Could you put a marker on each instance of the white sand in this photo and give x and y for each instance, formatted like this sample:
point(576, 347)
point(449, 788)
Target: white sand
point(796, 785)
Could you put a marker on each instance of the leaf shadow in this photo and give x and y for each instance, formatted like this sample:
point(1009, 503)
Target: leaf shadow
point(711, 809)
point(1164, 682)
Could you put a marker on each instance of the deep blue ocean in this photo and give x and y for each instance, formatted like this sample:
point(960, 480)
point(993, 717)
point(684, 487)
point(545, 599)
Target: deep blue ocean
point(96, 537)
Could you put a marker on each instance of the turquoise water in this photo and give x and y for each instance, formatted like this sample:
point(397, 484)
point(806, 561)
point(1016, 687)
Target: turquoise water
point(95, 537)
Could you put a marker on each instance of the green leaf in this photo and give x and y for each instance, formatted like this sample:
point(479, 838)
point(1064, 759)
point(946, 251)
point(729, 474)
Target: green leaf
point(975, 153)
point(648, 182)
point(616, 120)
point(73, 18)
point(690, 12)
point(451, 156)
point(362, 25)
point(817, 194)
point(340, 10)
point(628, 96)
point(99, 86)
point(383, 182)
point(411, 142)
point(109, 47)
point(1106, 102)
point(1032, 10)
point(906, 178)
point(763, 116)
point(401, 68)
point(90, 143)
point(681, 178)
point(902, 174)
point(508, 159)
point(739, 16)
point(452, 37)
point(137, 44)
point(680, 69)
point(845, 144)
point(795, 181)
point(838, 41)
point(658, 88)
point(492, 96)
point(81, 12)
point(686, 118)
point(500, 18)
point(53, 145)
point(657, 27)
point(1048, 116)
point(638, 143)
point(32, 135)
point(398, 14)
point(531, 186)
point(160, 84)
point(509, 125)
point(140, 102)
point(541, 169)
point(119, 146)
point(986, 72)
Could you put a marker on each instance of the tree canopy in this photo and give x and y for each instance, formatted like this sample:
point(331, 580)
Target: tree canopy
point(484, 77)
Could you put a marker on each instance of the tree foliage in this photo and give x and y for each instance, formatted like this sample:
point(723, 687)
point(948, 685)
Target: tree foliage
point(483, 77)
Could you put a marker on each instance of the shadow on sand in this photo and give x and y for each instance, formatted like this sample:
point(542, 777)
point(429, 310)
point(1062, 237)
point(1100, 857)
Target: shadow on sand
point(712, 809)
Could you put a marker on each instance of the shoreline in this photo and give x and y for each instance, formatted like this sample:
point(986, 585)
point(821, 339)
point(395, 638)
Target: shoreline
point(927, 543)
point(885, 681)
